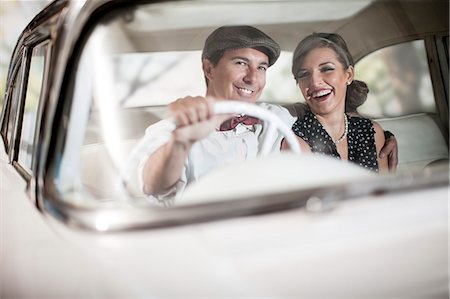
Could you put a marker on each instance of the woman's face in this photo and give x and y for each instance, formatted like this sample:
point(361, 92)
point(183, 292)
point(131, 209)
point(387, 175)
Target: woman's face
point(323, 81)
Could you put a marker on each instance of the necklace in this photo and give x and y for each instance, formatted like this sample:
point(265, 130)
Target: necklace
point(345, 131)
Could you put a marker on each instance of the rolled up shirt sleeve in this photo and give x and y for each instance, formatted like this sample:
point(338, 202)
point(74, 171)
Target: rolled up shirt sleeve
point(157, 135)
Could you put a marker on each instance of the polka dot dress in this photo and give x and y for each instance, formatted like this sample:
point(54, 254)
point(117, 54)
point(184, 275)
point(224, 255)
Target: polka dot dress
point(360, 139)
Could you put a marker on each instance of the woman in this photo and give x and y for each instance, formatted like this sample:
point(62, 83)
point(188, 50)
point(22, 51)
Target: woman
point(324, 71)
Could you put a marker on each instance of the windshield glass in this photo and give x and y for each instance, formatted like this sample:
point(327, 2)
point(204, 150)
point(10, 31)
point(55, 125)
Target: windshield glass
point(137, 61)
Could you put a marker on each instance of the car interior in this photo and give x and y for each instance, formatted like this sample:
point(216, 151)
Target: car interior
point(163, 64)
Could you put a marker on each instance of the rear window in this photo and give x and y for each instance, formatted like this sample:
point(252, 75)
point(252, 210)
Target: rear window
point(399, 81)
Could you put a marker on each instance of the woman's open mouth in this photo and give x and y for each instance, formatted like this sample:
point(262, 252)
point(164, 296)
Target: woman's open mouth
point(320, 95)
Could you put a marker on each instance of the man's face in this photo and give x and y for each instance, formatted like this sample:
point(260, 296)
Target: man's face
point(239, 75)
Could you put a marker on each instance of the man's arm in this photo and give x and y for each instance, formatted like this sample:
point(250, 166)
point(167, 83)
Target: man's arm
point(195, 121)
point(163, 168)
point(390, 149)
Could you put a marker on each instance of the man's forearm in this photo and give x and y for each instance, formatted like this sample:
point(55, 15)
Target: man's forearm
point(163, 168)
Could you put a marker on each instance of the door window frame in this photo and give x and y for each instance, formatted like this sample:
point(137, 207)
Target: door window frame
point(36, 40)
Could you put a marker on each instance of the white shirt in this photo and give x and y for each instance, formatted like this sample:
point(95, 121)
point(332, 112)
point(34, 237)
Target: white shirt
point(217, 149)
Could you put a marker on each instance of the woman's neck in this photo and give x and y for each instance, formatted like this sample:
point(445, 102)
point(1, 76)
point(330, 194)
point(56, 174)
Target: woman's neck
point(334, 123)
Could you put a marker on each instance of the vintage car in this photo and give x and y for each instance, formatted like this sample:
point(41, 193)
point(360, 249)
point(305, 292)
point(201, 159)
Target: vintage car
point(85, 80)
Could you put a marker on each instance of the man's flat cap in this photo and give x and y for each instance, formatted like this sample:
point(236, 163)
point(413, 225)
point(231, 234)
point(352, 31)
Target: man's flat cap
point(239, 37)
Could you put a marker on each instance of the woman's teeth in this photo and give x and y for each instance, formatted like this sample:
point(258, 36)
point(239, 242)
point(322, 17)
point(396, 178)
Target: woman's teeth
point(321, 93)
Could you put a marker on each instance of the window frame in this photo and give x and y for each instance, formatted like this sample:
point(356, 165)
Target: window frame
point(14, 85)
point(33, 40)
point(437, 54)
point(44, 44)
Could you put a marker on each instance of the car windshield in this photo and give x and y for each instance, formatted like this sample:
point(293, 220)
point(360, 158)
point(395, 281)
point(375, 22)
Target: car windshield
point(137, 60)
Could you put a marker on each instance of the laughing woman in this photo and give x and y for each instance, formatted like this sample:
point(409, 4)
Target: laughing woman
point(323, 69)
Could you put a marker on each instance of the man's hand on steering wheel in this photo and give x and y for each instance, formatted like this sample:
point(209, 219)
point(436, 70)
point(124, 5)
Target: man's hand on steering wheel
point(195, 118)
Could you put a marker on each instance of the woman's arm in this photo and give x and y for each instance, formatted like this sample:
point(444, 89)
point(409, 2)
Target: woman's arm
point(389, 148)
point(303, 145)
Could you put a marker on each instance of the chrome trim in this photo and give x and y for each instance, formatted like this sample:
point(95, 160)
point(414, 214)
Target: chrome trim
point(111, 219)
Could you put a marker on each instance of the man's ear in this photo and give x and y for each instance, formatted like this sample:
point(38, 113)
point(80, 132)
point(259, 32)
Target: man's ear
point(207, 68)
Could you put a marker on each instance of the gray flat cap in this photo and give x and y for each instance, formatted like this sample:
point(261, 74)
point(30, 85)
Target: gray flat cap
point(239, 37)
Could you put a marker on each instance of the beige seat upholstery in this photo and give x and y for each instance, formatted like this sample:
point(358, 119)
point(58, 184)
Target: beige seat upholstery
point(100, 174)
point(420, 141)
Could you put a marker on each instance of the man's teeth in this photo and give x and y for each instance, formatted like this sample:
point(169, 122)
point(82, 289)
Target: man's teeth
point(321, 93)
point(245, 90)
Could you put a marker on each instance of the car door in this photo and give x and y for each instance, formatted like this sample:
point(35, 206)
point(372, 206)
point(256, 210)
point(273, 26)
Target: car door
point(23, 107)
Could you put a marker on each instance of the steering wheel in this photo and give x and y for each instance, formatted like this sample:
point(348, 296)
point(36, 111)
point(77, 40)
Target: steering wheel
point(271, 121)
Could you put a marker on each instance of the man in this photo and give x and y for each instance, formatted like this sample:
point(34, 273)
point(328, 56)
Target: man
point(234, 60)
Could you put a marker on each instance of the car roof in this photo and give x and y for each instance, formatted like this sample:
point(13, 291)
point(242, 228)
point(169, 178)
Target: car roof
point(374, 24)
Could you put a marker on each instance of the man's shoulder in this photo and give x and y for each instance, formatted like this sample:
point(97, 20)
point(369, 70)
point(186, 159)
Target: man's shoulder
point(275, 108)
point(297, 109)
point(286, 112)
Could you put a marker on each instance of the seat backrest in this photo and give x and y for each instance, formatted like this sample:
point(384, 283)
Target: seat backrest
point(100, 163)
point(420, 141)
point(100, 174)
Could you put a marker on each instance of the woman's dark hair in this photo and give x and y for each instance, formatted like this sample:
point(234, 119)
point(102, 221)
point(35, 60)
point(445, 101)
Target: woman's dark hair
point(357, 91)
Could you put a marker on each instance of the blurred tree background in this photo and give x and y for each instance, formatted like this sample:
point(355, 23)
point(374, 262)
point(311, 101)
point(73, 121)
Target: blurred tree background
point(14, 17)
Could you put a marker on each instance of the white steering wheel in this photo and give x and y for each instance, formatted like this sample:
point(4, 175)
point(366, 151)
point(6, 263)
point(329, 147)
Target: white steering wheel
point(271, 121)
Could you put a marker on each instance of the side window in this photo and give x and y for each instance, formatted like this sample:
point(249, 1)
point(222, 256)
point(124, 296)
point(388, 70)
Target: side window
point(33, 93)
point(399, 81)
point(12, 105)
